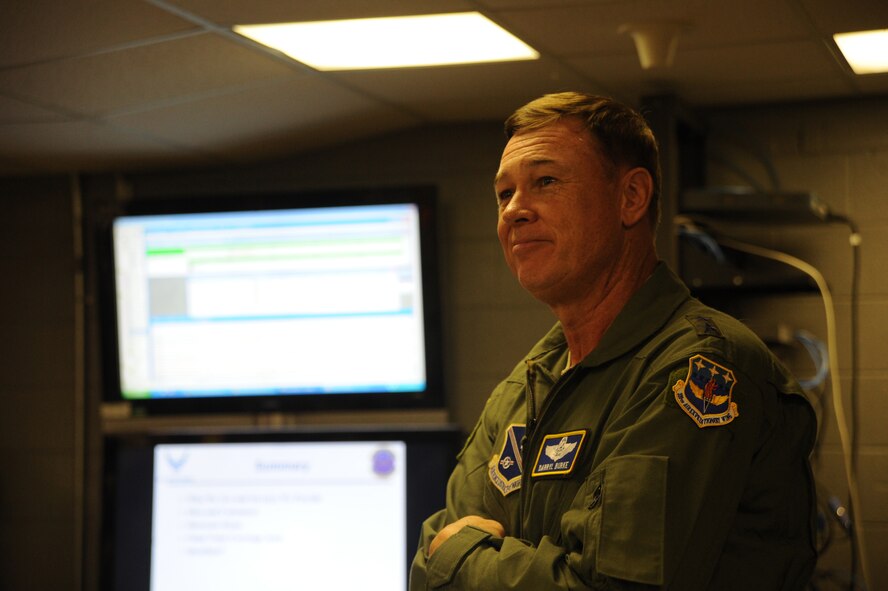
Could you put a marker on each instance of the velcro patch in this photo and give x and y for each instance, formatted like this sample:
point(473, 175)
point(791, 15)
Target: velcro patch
point(558, 453)
point(505, 468)
point(704, 326)
point(705, 394)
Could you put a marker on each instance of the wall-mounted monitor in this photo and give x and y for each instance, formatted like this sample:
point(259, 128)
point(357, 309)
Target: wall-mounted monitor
point(303, 301)
point(338, 511)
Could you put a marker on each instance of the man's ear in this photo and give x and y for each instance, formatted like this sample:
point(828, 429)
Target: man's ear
point(637, 187)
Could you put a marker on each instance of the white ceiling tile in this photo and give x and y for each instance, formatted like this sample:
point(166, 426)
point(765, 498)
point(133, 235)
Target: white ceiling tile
point(622, 72)
point(145, 75)
point(756, 69)
point(176, 83)
point(473, 92)
point(759, 62)
point(283, 117)
point(85, 146)
point(728, 22)
point(832, 17)
point(570, 30)
point(594, 28)
point(36, 30)
point(16, 111)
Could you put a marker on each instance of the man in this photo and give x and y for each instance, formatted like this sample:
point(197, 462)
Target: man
point(646, 441)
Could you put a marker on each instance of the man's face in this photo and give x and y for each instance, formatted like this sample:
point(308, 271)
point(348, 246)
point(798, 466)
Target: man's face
point(559, 212)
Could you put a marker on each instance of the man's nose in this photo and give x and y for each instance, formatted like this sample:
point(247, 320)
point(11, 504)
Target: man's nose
point(518, 209)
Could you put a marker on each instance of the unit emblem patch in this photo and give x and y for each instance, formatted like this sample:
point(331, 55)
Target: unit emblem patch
point(505, 469)
point(705, 394)
point(558, 453)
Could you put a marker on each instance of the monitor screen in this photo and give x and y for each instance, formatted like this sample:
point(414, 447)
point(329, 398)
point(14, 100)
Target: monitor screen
point(335, 511)
point(245, 307)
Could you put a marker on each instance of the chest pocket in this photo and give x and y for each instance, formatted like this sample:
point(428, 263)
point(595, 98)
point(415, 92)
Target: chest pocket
point(616, 526)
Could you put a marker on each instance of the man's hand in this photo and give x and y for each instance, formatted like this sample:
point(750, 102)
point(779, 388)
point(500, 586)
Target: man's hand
point(489, 525)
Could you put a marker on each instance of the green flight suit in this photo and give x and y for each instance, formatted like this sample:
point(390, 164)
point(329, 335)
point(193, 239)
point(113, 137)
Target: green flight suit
point(675, 455)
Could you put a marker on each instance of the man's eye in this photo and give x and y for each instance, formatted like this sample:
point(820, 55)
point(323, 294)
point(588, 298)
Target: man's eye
point(546, 180)
point(504, 195)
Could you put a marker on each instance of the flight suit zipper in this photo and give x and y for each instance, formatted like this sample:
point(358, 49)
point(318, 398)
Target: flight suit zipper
point(530, 400)
point(527, 442)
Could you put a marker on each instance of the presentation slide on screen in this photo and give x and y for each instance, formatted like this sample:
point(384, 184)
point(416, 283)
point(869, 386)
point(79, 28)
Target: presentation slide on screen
point(279, 516)
point(270, 302)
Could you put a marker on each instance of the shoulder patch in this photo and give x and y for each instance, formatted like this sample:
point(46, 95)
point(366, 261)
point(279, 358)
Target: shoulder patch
point(704, 326)
point(705, 394)
point(505, 469)
point(558, 454)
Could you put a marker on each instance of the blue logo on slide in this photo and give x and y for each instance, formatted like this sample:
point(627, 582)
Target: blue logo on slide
point(383, 462)
point(176, 462)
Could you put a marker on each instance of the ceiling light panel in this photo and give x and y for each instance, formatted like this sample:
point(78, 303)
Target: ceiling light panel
point(392, 42)
point(865, 51)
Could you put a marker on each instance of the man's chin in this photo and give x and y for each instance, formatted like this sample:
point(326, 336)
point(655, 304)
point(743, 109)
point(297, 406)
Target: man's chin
point(540, 286)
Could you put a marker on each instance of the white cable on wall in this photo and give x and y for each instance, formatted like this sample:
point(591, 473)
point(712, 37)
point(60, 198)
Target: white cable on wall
point(838, 402)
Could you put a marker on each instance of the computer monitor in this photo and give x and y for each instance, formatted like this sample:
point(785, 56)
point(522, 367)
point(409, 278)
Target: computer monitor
point(274, 511)
point(266, 303)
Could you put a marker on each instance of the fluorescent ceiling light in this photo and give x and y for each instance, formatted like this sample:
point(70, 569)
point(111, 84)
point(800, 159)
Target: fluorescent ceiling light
point(866, 51)
point(393, 42)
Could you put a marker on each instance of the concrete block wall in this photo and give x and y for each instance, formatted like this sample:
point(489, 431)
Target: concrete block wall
point(40, 487)
point(839, 151)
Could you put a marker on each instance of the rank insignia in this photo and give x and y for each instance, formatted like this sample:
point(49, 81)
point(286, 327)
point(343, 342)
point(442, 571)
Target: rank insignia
point(705, 326)
point(505, 468)
point(558, 453)
point(705, 394)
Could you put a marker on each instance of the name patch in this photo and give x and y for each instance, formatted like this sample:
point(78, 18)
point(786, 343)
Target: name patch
point(705, 394)
point(505, 469)
point(558, 453)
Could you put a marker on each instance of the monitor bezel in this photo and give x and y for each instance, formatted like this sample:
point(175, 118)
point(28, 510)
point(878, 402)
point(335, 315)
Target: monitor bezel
point(431, 456)
point(424, 197)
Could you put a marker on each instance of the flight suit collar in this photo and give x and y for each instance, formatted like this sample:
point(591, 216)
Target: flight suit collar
point(646, 313)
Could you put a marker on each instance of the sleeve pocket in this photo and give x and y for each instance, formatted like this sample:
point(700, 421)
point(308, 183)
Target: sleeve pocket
point(631, 534)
